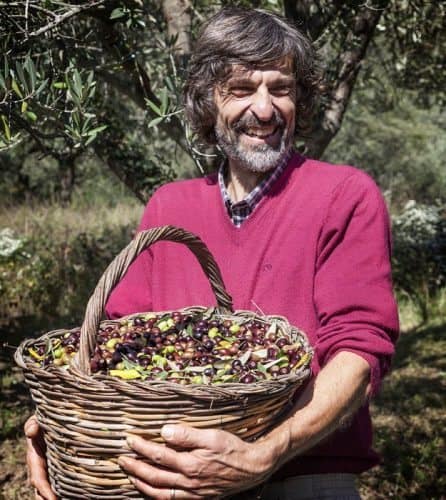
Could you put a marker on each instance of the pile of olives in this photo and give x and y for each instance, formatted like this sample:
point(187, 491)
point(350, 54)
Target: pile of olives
point(183, 348)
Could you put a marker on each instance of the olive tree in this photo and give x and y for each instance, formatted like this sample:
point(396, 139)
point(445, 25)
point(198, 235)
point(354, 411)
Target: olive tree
point(104, 77)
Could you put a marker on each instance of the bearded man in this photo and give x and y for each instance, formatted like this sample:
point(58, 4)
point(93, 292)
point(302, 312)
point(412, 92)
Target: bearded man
point(292, 236)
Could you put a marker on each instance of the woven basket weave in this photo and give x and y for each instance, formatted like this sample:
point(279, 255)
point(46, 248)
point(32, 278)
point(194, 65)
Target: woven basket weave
point(86, 417)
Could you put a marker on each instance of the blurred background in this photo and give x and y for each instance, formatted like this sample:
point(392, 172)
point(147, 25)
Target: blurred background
point(91, 123)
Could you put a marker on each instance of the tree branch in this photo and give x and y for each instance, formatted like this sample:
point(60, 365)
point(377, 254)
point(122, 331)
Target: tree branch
point(314, 17)
point(357, 41)
point(177, 16)
point(116, 168)
point(37, 136)
point(60, 18)
point(136, 83)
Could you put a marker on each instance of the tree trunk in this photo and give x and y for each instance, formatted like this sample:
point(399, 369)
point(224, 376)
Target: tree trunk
point(360, 32)
point(67, 180)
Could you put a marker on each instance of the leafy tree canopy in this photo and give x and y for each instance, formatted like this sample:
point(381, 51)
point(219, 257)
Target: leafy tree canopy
point(104, 77)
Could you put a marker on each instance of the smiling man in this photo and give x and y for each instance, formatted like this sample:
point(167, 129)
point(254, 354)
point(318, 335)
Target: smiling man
point(294, 237)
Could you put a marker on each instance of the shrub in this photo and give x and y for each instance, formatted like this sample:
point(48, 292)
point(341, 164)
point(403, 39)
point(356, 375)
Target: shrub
point(53, 279)
point(419, 255)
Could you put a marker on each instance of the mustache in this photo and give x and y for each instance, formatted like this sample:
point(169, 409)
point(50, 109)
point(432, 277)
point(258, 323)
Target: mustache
point(252, 121)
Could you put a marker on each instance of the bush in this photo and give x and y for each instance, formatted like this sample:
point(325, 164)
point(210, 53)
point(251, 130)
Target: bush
point(419, 255)
point(50, 279)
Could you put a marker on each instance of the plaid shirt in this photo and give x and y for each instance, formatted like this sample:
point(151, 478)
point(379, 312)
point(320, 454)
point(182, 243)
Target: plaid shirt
point(240, 211)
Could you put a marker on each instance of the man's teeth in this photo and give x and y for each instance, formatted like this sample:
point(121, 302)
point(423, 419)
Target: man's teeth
point(260, 132)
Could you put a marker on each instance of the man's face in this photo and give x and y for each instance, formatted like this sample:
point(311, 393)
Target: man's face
point(256, 115)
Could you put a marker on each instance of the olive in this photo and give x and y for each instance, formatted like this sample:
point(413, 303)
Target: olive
point(209, 344)
point(272, 353)
point(198, 334)
point(251, 364)
point(237, 365)
point(282, 342)
point(247, 379)
point(117, 357)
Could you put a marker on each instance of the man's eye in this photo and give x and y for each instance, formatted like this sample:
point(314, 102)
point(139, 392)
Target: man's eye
point(240, 91)
point(281, 91)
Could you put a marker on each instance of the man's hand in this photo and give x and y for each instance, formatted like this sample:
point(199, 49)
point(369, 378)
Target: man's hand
point(35, 459)
point(215, 463)
point(211, 464)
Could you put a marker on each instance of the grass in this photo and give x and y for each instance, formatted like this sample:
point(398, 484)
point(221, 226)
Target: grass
point(26, 221)
point(61, 255)
point(408, 415)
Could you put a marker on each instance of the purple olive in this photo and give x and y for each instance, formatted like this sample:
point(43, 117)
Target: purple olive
point(117, 357)
point(251, 364)
point(282, 342)
point(247, 379)
point(198, 334)
point(237, 365)
point(272, 353)
point(209, 344)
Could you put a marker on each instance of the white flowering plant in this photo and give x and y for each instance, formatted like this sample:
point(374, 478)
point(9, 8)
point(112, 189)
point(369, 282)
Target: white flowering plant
point(419, 252)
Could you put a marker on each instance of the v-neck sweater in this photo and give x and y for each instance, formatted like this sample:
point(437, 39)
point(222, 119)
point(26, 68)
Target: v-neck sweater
point(316, 250)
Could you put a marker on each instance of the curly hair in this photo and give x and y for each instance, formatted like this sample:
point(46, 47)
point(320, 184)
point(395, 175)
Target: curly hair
point(252, 38)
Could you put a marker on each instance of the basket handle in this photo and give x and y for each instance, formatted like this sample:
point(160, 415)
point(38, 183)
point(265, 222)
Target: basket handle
point(118, 267)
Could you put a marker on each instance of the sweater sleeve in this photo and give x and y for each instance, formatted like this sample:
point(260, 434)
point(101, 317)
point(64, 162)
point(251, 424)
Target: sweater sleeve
point(353, 287)
point(133, 293)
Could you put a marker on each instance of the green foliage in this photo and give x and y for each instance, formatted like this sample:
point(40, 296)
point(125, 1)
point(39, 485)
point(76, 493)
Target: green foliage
point(85, 77)
point(31, 179)
point(400, 144)
point(71, 72)
point(411, 42)
point(51, 272)
point(419, 253)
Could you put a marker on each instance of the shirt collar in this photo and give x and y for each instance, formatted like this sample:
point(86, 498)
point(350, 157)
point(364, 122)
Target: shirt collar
point(242, 209)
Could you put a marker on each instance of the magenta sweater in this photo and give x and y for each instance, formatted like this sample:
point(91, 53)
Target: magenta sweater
point(316, 250)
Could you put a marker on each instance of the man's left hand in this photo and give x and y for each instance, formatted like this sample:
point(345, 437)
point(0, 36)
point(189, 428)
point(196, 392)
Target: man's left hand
point(210, 464)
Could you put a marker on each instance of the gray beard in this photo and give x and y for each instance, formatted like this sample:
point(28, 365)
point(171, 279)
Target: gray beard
point(260, 159)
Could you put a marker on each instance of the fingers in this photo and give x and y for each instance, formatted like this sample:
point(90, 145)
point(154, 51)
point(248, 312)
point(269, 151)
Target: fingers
point(34, 436)
point(157, 477)
point(190, 437)
point(38, 496)
point(32, 427)
point(36, 461)
point(157, 483)
point(38, 474)
point(167, 493)
point(159, 454)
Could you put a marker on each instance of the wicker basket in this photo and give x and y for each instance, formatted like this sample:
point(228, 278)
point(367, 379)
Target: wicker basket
point(86, 417)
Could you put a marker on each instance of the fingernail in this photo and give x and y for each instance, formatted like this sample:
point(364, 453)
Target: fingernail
point(130, 441)
point(122, 461)
point(132, 479)
point(167, 432)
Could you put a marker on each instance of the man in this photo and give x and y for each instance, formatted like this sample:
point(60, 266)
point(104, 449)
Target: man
point(295, 237)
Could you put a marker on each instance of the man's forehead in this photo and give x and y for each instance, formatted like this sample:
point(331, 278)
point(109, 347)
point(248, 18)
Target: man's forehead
point(285, 65)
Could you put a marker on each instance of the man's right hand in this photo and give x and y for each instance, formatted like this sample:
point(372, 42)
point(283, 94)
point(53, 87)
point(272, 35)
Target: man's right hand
point(36, 461)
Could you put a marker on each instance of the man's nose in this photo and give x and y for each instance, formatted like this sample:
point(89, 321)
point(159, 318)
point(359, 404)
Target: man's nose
point(262, 105)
